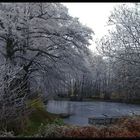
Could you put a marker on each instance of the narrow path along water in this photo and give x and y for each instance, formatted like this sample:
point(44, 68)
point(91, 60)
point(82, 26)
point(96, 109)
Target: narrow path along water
point(81, 111)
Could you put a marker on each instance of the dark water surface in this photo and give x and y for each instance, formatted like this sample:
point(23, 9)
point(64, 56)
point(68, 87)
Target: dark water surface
point(81, 111)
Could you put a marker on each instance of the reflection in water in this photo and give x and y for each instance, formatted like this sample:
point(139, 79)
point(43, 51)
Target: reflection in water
point(59, 107)
point(82, 110)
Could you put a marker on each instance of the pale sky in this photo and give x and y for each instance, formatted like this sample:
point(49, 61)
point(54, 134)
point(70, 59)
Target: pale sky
point(94, 15)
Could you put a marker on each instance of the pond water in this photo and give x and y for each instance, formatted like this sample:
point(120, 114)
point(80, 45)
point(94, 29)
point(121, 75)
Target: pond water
point(81, 111)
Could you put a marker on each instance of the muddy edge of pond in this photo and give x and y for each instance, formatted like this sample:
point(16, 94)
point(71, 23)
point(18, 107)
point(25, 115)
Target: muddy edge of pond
point(97, 99)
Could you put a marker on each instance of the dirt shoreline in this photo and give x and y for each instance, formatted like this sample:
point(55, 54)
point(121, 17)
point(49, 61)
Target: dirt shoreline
point(102, 100)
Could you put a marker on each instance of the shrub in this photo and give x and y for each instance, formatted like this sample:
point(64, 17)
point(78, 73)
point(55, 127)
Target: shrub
point(36, 104)
point(49, 130)
point(6, 134)
point(58, 121)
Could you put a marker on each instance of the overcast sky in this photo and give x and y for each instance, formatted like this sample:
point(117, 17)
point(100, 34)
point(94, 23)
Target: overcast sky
point(94, 15)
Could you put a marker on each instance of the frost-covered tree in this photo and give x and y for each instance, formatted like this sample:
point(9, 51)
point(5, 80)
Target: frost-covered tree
point(37, 39)
point(33, 34)
point(122, 45)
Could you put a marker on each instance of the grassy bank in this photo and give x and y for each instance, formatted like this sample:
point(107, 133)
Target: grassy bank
point(29, 124)
point(44, 124)
point(127, 127)
point(36, 119)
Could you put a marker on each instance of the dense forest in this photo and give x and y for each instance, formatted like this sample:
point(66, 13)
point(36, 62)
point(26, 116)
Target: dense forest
point(44, 53)
point(112, 73)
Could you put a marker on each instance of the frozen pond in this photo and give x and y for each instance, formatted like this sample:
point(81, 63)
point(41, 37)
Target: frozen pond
point(81, 111)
